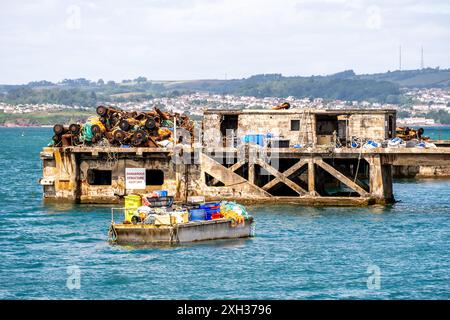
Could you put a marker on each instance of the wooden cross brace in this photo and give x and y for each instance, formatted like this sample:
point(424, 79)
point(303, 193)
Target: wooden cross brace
point(283, 176)
point(341, 177)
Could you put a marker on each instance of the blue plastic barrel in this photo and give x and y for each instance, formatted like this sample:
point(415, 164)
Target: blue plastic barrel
point(254, 138)
point(197, 214)
point(209, 205)
point(161, 193)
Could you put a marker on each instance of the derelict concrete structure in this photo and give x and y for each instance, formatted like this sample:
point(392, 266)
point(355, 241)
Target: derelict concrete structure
point(304, 158)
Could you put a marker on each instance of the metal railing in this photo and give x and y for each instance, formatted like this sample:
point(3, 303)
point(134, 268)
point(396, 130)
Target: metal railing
point(123, 209)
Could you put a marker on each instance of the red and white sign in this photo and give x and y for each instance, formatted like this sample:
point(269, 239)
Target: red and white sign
point(135, 178)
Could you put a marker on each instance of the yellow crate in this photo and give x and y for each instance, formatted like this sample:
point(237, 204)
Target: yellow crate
point(132, 202)
point(162, 220)
point(179, 217)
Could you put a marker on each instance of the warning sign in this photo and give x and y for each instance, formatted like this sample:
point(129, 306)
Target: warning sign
point(135, 178)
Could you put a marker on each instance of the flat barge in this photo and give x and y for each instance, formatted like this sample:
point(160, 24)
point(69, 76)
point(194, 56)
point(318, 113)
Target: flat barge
point(181, 233)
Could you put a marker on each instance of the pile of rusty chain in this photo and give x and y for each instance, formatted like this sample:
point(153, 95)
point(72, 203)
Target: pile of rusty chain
point(123, 128)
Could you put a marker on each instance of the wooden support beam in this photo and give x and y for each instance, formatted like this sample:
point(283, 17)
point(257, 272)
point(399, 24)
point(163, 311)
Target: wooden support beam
point(229, 178)
point(295, 167)
point(281, 177)
point(287, 173)
point(233, 168)
point(341, 177)
point(236, 166)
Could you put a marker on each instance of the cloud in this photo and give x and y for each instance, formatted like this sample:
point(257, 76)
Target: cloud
point(373, 20)
point(185, 39)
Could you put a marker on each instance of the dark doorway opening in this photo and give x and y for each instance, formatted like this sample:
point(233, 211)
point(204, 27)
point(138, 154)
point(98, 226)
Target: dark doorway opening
point(326, 126)
point(154, 177)
point(390, 126)
point(99, 177)
point(342, 132)
point(228, 127)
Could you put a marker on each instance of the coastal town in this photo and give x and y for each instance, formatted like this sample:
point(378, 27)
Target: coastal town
point(422, 103)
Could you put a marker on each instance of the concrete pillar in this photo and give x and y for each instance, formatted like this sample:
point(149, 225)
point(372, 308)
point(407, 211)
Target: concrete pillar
point(75, 177)
point(380, 180)
point(311, 178)
point(66, 178)
point(251, 156)
point(251, 172)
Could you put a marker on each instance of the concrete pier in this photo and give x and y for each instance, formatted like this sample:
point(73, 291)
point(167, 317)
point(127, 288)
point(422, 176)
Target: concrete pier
point(314, 157)
point(313, 176)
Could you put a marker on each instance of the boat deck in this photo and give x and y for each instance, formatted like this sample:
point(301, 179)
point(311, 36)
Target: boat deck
point(181, 233)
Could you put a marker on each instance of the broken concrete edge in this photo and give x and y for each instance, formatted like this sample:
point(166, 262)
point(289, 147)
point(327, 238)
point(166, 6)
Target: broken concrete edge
point(48, 151)
point(303, 200)
point(68, 186)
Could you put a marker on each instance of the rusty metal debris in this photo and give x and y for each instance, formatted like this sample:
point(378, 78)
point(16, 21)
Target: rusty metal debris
point(283, 106)
point(408, 134)
point(153, 128)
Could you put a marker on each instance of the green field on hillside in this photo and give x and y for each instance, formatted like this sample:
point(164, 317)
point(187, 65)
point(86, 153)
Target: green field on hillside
point(44, 118)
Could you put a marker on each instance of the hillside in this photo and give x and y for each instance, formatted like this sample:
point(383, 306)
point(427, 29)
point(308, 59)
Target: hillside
point(346, 85)
point(424, 78)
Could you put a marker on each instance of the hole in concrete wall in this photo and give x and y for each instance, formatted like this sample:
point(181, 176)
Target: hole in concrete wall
point(49, 191)
point(154, 177)
point(210, 181)
point(49, 163)
point(295, 125)
point(99, 177)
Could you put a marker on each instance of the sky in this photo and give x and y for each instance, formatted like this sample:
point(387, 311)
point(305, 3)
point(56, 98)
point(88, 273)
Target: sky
point(217, 39)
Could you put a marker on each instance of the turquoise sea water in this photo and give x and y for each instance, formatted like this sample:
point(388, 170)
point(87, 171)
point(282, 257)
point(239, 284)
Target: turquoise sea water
point(438, 133)
point(298, 253)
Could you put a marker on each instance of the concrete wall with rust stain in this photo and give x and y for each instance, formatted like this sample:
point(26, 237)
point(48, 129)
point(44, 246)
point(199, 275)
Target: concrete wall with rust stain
point(369, 126)
point(363, 125)
point(276, 124)
point(117, 189)
point(70, 176)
